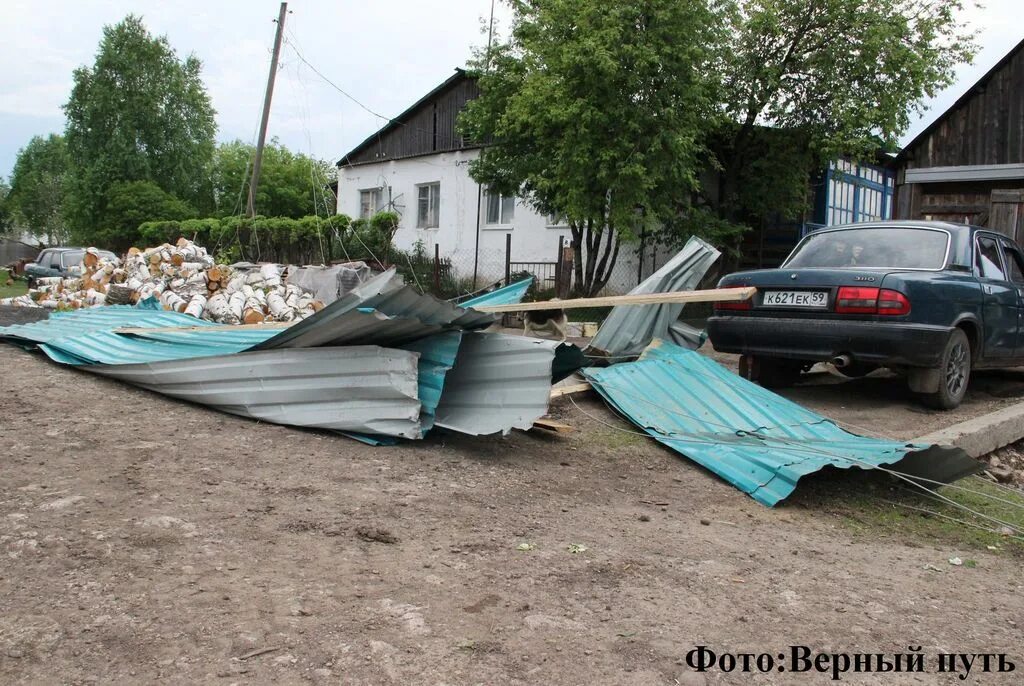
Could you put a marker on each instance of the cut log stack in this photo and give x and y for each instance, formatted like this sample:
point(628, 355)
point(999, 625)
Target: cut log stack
point(184, 278)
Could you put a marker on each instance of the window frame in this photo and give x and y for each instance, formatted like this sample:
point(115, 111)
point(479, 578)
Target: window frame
point(377, 192)
point(433, 204)
point(500, 224)
point(978, 237)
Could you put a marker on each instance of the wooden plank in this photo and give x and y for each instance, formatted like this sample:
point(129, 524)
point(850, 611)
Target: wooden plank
point(552, 425)
point(215, 327)
point(712, 295)
point(559, 391)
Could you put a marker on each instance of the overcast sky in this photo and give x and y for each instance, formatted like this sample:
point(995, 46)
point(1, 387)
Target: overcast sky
point(386, 54)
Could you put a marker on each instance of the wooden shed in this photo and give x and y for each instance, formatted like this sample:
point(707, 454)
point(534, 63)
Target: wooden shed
point(968, 165)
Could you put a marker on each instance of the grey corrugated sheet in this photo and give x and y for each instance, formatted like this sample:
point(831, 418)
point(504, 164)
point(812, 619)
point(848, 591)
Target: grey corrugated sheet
point(499, 383)
point(629, 328)
point(381, 310)
point(364, 389)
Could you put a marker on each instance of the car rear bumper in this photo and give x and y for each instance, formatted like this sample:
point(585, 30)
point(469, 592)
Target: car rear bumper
point(883, 343)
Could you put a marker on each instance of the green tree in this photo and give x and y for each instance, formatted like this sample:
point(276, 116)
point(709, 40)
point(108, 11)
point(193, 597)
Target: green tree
point(130, 204)
point(137, 114)
point(840, 76)
point(6, 220)
point(291, 184)
point(38, 188)
point(596, 111)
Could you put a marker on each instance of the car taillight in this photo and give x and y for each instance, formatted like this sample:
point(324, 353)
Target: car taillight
point(734, 304)
point(860, 300)
point(892, 303)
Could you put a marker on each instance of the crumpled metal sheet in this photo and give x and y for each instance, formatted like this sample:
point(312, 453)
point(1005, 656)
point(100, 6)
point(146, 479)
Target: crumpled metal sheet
point(64, 324)
point(381, 310)
point(499, 383)
point(327, 284)
point(756, 440)
point(628, 329)
point(507, 295)
point(437, 357)
point(365, 389)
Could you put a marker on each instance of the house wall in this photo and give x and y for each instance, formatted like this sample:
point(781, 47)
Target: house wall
point(969, 164)
point(533, 239)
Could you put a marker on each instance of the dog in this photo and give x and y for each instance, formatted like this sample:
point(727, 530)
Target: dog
point(554, 322)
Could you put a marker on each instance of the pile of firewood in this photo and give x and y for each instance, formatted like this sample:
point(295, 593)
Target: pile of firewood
point(184, 278)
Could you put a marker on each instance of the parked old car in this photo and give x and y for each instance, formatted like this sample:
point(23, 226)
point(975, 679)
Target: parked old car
point(59, 262)
point(933, 300)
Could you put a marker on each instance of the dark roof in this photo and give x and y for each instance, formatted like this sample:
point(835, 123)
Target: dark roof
point(978, 87)
point(457, 77)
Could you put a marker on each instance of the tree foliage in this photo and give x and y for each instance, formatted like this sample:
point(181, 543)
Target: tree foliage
point(129, 204)
point(291, 184)
point(137, 114)
point(604, 109)
point(595, 111)
point(841, 75)
point(38, 188)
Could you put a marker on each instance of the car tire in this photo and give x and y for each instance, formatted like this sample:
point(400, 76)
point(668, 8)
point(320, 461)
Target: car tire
point(954, 373)
point(770, 372)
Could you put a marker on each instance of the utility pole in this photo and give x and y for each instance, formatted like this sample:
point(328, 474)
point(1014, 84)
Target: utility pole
point(258, 159)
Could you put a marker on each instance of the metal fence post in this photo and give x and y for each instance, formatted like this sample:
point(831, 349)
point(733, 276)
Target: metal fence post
point(508, 257)
point(437, 269)
point(558, 267)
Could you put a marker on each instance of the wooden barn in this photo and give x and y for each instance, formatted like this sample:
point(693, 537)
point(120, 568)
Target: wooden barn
point(968, 165)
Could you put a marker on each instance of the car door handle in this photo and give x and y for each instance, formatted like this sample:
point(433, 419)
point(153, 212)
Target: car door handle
point(988, 289)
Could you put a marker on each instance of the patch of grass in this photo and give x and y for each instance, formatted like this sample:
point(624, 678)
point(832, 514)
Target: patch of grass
point(874, 504)
point(19, 287)
point(616, 439)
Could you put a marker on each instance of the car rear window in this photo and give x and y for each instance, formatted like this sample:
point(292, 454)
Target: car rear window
point(73, 258)
point(890, 248)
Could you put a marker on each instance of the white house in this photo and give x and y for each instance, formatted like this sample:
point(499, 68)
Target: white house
point(418, 166)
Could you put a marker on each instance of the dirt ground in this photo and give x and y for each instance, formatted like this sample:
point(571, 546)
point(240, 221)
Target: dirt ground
point(144, 540)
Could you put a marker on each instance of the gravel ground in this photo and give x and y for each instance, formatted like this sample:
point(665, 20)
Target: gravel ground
point(146, 540)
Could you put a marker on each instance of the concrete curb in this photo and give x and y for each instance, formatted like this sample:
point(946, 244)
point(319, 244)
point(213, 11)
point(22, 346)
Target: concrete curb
point(981, 435)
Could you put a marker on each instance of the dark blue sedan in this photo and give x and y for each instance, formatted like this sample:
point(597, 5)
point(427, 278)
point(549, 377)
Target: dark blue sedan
point(932, 300)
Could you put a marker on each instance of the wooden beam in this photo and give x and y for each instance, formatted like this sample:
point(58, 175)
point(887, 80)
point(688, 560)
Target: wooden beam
point(552, 425)
point(559, 391)
point(216, 327)
point(713, 295)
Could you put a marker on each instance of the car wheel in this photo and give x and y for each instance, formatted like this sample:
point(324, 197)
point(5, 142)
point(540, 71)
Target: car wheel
point(954, 373)
point(770, 372)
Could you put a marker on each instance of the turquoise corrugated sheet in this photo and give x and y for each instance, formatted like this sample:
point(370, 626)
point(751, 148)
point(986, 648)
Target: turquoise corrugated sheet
point(512, 293)
point(65, 324)
point(437, 356)
point(756, 440)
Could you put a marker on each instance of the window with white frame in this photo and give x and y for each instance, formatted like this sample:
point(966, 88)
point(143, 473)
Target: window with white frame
point(369, 202)
point(857, 193)
point(428, 203)
point(501, 209)
point(557, 221)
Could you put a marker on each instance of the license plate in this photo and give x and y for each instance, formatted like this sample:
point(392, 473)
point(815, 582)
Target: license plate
point(795, 298)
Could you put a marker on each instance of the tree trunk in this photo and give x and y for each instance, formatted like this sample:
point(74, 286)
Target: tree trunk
point(593, 259)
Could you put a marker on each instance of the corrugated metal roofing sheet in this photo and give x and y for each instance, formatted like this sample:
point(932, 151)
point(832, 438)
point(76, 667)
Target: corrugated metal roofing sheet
point(628, 329)
point(759, 441)
point(507, 295)
point(437, 356)
point(382, 310)
point(499, 383)
point(64, 324)
point(366, 389)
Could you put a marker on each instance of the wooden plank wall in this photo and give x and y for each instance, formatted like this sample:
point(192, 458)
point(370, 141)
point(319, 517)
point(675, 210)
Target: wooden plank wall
point(430, 128)
point(986, 129)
